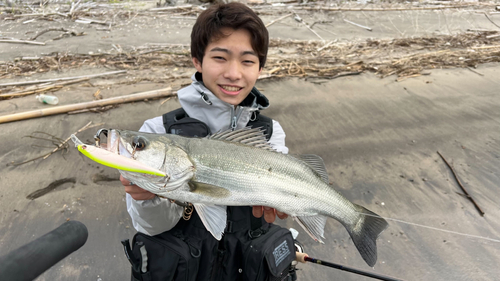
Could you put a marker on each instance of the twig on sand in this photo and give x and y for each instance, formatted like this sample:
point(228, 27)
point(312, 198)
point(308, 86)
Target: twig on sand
point(478, 73)
point(491, 20)
point(359, 25)
point(167, 99)
point(88, 126)
point(461, 186)
point(94, 109)
point(278, 19)
point(299, 19)
point(399, 79)
point(346, 74)
point(48, 30)
point(61, 145)
point(17, 41)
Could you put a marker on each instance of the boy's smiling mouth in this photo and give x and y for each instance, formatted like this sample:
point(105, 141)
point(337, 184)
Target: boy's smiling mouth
point(230, 90)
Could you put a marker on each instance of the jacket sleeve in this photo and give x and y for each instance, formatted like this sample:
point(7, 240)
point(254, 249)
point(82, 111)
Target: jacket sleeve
point(157, 215)
point(277, 140)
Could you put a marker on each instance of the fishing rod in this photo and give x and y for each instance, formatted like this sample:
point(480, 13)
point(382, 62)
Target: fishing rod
point(303, 257)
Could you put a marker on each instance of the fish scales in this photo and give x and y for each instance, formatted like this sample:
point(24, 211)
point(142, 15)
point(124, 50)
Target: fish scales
point(280, 179)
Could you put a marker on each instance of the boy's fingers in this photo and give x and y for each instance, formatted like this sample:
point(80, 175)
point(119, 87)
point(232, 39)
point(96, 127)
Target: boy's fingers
point(269, 214)
point(138, 193)
point(281, 215)
point(257, 211)
point(125, 181)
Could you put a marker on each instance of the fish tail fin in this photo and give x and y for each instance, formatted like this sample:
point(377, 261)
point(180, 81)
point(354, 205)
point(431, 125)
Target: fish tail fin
point(364, 234)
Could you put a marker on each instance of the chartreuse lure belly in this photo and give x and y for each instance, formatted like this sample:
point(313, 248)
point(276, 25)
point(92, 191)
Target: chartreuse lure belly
point(110, 159)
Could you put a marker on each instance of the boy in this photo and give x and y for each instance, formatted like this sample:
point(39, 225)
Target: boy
point(229, 46)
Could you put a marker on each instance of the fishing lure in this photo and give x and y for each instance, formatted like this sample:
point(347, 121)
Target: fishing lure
point(110, 159)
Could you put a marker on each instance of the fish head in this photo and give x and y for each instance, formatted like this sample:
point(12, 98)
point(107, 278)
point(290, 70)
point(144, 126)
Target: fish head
point(137, 146)
point(156, 151)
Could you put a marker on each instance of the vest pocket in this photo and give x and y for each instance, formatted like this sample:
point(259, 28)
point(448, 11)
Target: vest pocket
point(268, 255)
point(168, 257)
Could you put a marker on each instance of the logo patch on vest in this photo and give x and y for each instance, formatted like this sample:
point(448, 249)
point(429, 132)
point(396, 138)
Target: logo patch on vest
point(281, 252)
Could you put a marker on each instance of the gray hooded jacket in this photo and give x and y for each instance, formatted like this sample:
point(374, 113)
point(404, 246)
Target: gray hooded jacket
point(158, 215)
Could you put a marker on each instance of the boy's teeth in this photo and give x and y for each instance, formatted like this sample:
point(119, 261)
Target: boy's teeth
point(231, 89)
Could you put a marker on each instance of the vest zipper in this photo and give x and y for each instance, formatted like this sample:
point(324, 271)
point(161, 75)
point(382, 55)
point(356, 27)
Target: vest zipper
point(235, 118)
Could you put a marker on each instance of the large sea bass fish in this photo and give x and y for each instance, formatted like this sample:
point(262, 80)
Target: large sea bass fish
point(236, 168)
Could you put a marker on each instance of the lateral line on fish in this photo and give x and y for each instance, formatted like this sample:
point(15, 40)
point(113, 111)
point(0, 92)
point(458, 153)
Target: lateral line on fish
point(438, 229)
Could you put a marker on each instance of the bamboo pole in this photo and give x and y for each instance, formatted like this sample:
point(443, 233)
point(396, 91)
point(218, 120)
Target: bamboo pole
point(71, 107)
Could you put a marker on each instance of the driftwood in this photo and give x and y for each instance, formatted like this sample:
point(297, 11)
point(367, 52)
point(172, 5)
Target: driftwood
point(40, 89)
point(61, 79)
point(72, 107)
point(17, 41)
point(387, 9)
point(171, 8)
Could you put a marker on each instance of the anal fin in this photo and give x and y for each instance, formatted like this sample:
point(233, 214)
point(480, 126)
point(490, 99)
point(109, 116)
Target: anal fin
point(314, 226)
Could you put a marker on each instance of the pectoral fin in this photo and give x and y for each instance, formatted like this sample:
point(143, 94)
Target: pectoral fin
point(208, 190)
point(213, 217)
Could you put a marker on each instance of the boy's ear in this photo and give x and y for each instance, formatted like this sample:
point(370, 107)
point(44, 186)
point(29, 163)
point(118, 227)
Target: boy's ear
point(197, 64)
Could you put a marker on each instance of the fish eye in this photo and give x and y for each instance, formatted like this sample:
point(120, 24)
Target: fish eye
point(139, 143)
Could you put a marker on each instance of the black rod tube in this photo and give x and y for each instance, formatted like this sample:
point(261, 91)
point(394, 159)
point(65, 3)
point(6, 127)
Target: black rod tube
point(29, 261)
point(350, 269)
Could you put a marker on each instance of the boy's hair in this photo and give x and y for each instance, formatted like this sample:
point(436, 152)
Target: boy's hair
point(233, 15)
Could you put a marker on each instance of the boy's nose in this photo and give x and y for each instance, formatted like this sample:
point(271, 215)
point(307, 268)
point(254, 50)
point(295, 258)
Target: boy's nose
point(233, 71)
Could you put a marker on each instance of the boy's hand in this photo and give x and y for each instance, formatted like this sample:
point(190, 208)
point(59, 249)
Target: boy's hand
point(136, 192)
point(268, 212)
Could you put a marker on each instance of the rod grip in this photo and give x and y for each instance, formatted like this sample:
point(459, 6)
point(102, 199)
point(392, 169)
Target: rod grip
point(34, 258)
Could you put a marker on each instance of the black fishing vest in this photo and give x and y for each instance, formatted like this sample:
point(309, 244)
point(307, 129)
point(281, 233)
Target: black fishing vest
point(250, 249)
point(177, 122)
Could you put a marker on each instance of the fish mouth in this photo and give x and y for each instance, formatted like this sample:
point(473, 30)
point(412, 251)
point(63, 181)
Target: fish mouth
point(118, 145)
point(115, 144)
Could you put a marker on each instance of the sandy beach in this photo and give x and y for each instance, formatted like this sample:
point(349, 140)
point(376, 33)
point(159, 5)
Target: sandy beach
point(376, 105)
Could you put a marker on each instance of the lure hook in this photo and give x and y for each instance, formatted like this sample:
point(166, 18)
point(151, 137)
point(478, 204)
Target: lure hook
point(97, 136)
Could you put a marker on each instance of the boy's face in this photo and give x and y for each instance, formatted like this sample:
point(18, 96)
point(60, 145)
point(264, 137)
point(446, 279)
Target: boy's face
point(230, 66)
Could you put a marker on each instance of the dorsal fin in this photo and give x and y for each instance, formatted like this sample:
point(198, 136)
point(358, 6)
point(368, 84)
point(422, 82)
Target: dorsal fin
point(248, 136)
point(316, 163)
